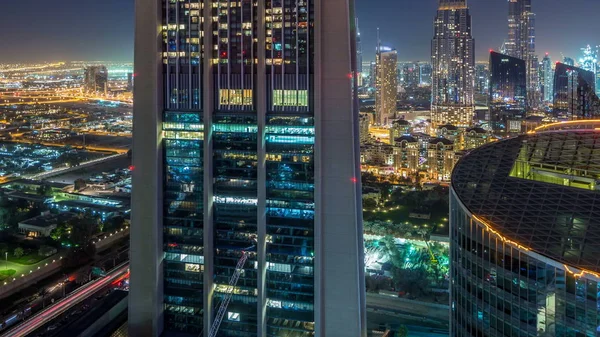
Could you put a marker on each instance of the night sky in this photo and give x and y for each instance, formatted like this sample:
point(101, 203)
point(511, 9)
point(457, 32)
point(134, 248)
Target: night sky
point(50, 30)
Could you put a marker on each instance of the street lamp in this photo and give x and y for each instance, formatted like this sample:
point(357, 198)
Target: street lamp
point(6, 260)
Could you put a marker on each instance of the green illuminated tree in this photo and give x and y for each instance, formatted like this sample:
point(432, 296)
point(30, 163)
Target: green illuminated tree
point(18, 252)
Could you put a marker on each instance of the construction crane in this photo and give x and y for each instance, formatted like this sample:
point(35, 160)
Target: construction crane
point(214, 329)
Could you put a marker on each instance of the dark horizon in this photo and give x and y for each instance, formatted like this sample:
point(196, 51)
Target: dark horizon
point(70, 30)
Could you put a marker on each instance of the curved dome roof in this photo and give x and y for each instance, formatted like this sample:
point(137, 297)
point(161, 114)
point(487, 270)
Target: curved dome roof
point(541, 191)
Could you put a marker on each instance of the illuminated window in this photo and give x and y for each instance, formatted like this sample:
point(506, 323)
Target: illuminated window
point(193, 267)
point(235, 96)
point(290, 97)
point(233, 316)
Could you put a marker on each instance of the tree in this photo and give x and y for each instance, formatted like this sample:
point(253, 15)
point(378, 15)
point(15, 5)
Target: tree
point(18, 252)
point(402, 331)
point(80, 184)
point(113, 223)
point(60, 231)
point(369, 203)
point(44, 190)
point(83, 228)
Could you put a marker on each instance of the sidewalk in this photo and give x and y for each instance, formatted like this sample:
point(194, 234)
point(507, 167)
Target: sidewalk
point(24, 269)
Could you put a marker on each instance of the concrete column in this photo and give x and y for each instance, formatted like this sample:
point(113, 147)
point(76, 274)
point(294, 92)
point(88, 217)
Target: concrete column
point(146, 294)
point(339, 271)
point(208, 103)
point(261, 109)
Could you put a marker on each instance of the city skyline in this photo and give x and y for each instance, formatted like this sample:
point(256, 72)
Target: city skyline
point(109, 24)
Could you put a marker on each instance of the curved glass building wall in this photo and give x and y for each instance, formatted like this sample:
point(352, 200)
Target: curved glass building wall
point(525, 227)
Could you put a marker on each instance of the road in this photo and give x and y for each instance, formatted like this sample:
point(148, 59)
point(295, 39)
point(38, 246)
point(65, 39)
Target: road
point(71, 300)
point(61, 170)
point(81, 147)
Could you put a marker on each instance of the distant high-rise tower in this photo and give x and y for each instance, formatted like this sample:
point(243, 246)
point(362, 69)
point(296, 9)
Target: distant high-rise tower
point(386, 83)
point(574, 94)
point(508, 93)
point(359, 58)
point(521, 44)
point(247, 186)
point(482, 78)
point(425, 74)
point(569, 61)
point(589, 62)
point(96, 79)
point(129, 81)
point(548, 79)
point(452, 61)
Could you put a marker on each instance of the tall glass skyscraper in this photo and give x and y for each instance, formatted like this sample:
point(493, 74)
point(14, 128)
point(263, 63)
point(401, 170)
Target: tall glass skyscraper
point(246, 146)
point(589, 62)
point(453, 62)
point(386, 84)
point(548, 79)
point(508, 93)
point(574, 94)
point(524, 220)
point(521, 43)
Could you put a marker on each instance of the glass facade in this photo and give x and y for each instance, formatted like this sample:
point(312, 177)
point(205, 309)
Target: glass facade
point(289, 141)
point(453, 65)
point(183, 246)
point(501, 290)
point(523, 249)
point(235, 219)
point(574, 93)
point(290, 226)
point(508, 91)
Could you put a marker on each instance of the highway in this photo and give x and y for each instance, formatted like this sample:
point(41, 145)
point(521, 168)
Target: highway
point(55, 172)
point(76, 297)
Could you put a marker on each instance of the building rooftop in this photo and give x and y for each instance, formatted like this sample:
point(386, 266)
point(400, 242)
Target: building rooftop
point(477, 130)
point(539, 191)
point(438, 140)
point(400, 122)
point(409, 139)
point(448, 127)
point(47, 220)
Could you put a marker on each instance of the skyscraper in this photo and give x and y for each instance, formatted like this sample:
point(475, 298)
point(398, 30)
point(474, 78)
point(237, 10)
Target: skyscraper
point(521, 44)
point(524, 227)
point(482, 78)
point(568, 61)
point(548, 79)
point(425, 74)
point(386, 84)
point(452, 61)
point(359, 58)
point(246, 188)
point(589, 62)
point(96, 79)
point(411, 74)
point(574, 94)
point(508, 92)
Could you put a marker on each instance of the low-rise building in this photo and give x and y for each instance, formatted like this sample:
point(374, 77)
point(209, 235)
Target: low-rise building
point(42, 225)
point(400, 127)
point(440, 159)
point(406, 155)
point(476, 137)
point(377, 154)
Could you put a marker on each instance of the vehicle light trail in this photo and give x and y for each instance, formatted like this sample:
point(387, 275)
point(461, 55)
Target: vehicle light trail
point(35, 322)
